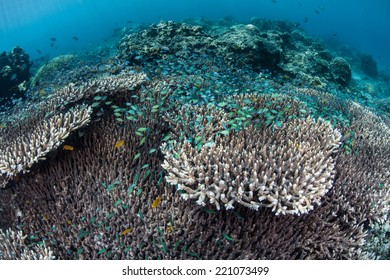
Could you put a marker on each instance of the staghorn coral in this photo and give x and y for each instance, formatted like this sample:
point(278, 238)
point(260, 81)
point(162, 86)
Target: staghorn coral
point(288, 170)
point(108, 197)
point(25, 144)
point(371, 128)
point(13, 246)
point(107, 85)
point(43, 127)
point(95, 202)
point(363, 175)
point(100, 201)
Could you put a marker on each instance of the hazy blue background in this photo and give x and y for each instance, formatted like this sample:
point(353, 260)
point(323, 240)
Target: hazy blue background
point(362, 24)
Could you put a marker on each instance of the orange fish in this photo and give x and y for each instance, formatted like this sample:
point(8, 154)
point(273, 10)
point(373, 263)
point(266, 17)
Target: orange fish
point(119, 144)
point(68, 148)
point(126, 231)
point(156, 202)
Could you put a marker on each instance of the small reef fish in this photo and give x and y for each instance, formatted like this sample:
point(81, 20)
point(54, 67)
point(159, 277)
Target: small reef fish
point(317, 12)
point(75, 38)
point(68, 148)
point(53, 39)
point(156, 202)
point(126, 231)
point(38, 51)
point(119, 144)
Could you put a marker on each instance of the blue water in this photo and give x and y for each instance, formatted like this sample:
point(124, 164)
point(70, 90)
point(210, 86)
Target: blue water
point(360, 24)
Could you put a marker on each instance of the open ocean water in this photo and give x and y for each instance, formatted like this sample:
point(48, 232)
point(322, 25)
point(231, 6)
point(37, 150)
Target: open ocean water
point(194, 129)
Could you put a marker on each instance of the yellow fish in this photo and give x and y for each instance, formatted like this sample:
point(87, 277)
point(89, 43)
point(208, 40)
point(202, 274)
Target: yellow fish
point(156, 202)
point(68, 148)
point(169, 228)
point(46, 217)
point(126, 231)
point(119, 144)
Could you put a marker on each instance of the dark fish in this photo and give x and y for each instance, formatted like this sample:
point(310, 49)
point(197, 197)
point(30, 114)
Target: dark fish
point(274, 1)
point(317, 12)
point(75, 38)
point(306, 19)
point(52, 44)
point(53, 39)
point(38, 51)
point(129, 21)
point(334, 34)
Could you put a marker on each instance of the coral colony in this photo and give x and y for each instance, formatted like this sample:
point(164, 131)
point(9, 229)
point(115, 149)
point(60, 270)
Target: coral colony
point(195, 140)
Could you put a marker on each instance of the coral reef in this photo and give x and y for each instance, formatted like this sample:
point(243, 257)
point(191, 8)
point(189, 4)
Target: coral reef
point(368, 65)
point(27, 143)
point(47, 127)
point(278, 47)
point(100, 167)
point(49, 70)
point(341, 71)
point(259, 49)
point(14, 75)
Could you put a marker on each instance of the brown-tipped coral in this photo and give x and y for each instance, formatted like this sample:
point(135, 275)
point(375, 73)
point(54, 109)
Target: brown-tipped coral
point(288, 170)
